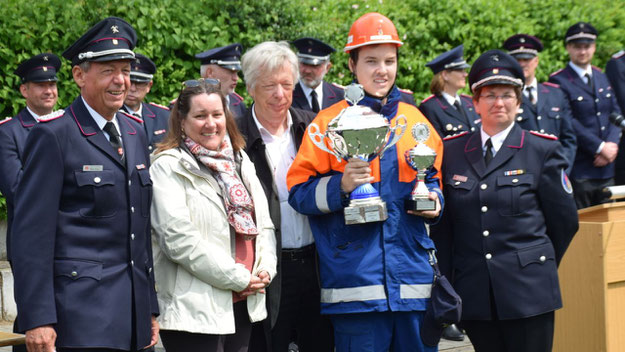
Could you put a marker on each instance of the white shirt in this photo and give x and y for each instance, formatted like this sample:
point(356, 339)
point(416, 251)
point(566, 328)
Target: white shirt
point(307, 90)
point(101, 121)
point(132, 112)
point(281, 151)
point(496, 140)
point(582, 71)
point(32, 113)
point(451, 100)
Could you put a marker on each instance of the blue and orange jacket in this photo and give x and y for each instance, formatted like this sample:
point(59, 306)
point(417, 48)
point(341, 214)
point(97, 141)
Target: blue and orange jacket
point(377, 266)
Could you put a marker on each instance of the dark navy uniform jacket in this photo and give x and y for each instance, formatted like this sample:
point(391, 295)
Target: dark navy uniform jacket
point(590, 110)
point(505, 226)
point(615, 70)
point(155, 122)
point(13, 133)
point(446, 118)
point(81, 247)
point(331, 95)
point(237, 106)
point(550, 115)
point(407, 97)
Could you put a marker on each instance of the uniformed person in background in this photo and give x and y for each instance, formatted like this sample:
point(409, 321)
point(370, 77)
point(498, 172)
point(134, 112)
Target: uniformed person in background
point(615, 70)
point(508, 220)
point(80, 243)
point(312, 93)
point(224, 63)
point(592, 101)
point(449, 112)
point(155, 117)
point(544, 108)
point(38, 87)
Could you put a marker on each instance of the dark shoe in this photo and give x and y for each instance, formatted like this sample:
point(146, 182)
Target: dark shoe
point(453, 333)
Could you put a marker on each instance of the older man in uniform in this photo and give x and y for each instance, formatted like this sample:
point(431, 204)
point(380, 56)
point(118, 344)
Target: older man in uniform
point(312, 93)
point(38, 87)
point(224, 64)
point(592, 100)
point(84, 201)
point(544, 108)
point(155, 117)
point(615, 70)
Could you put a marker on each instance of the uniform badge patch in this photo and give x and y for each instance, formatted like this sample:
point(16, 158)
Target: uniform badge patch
point(460, 178)
point(92, 168)
point(140, 166)
point(514, 172)
point(157, 132)
point(566, 183)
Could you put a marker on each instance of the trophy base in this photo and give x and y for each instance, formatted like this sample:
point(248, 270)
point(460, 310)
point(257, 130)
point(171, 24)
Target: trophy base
point(362, 211)
point(420, 204)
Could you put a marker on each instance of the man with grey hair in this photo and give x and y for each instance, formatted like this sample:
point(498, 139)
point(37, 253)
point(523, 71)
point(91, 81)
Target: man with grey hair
point(274, 130)
point(223, 63)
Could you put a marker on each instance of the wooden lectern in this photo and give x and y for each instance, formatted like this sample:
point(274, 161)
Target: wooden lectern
point(592, 279)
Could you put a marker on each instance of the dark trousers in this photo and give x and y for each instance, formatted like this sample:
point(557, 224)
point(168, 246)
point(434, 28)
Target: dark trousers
point(299, 317)
point(533, 334)
point(183, 341)
point(588, 192)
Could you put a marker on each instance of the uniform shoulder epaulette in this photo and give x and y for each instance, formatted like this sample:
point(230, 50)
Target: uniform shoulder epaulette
point(619, 54)
point(52, 116)
point(557, 72)
point(454, 136)
point(7, 119)
point(428, 98)
point(338, 85)
point(407, 91)
point(544, 135)
point(131, 116)
point(159, 106)
point(551, 84)
point(597, 68)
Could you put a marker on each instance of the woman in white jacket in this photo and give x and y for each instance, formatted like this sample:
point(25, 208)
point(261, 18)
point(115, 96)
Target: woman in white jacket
point(214, 250)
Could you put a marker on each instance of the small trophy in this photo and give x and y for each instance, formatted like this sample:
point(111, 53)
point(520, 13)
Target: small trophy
point(420, 158)
point(359, 132)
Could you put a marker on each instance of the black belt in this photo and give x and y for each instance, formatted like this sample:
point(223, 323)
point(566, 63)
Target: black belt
point(298, 253)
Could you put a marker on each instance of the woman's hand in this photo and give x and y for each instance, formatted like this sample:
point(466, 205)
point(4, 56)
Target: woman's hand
point(257, 284)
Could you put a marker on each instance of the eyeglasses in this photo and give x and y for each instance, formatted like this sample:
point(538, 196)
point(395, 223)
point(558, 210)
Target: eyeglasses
point(491, 98)
point(140, 85)
point(201, 81)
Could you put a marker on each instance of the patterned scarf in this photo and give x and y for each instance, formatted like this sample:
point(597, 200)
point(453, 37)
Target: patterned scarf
point(239, 205)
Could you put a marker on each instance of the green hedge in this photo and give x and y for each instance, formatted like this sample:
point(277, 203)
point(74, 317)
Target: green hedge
point(172, 31)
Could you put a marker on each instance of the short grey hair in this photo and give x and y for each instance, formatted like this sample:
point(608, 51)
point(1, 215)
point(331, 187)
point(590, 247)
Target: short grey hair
point(267, 57)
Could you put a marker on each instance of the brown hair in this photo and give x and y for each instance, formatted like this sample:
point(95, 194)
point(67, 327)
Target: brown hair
point(438, 84)
point(182, 108)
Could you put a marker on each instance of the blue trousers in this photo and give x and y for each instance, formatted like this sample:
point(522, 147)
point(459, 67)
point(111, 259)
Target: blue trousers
point(379, 332)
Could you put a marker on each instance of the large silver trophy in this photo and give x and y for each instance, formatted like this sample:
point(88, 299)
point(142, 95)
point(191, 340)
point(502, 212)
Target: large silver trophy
point(420, 158)
point(359, 132)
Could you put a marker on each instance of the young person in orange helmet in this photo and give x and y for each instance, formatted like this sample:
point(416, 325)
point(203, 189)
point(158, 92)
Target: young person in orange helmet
point(375, 277)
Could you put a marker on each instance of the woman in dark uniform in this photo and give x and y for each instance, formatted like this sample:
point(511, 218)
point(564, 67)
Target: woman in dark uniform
point(449, 112)
point(508, 219)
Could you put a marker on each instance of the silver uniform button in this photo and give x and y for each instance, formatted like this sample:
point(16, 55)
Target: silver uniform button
point(472, 129)
point(519, 118)
point(457, 183)
point(484, 209)
point(129, 183)
point(597, 100)
point(580, 98)
point(485, 233)
point(542, 258)
point(542, 131)
point(132, 236)
point(539, 117)
point(97, 179)
point(483, 186)
point(598, 113)
point(607, 95)
point(603, 128)
point(149, 147)
point(132, 209)
point(132, 262)
point(74, 273)
point(515, 180)
point(489, 256)
point(149, 270)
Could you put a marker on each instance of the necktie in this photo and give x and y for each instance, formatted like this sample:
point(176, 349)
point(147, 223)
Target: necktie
point(489, 151)
point(314, 102)
point(530, 94)
point(461, 110)
point(589, 81)
point(115, 139)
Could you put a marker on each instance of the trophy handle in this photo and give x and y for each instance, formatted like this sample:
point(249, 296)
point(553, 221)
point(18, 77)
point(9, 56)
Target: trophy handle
point(396, 133)
point(317, 138)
